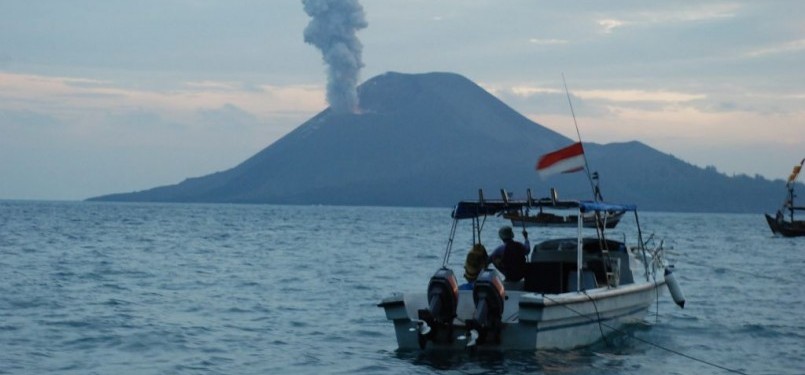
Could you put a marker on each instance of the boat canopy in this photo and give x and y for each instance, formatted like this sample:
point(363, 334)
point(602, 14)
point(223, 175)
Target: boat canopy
point(473, 209)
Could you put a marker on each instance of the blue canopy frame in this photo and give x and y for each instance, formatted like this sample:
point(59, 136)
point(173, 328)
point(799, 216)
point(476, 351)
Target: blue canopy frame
point(473, 209)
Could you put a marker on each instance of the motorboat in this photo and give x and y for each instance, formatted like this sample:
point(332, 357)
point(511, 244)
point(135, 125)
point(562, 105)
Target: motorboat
point(577, 288)
point(788, 226)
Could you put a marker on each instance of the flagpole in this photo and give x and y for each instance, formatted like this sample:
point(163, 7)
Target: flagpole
point(586, 165)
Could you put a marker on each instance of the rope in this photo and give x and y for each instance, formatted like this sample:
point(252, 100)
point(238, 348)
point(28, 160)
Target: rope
point(598, 315)
point(656, 257)
point(657, 309)
point(449, 243)
point(683, 354)
point(642, 244)
point(776, 278)
point(658, 346)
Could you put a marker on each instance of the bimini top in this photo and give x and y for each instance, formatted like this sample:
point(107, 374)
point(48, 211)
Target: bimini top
point(472, 209)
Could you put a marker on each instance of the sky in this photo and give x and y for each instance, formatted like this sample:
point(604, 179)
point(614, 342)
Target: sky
point(109, 96)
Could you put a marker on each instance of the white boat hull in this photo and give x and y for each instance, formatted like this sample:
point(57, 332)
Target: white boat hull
point(533, 321)
point(572, 292)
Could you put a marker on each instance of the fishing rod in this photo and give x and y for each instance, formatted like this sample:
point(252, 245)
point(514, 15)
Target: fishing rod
point(578, 133)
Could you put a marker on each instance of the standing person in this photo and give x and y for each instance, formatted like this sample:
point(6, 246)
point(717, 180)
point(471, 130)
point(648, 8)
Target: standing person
point(510, 257)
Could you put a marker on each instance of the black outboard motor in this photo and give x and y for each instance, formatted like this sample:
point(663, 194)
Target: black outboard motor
point(488, 295)
point(442, 304)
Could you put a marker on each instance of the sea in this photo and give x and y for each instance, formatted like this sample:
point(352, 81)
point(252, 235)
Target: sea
point(146, 288)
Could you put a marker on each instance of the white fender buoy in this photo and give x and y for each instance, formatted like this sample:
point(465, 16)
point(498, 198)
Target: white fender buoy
point(673, 287)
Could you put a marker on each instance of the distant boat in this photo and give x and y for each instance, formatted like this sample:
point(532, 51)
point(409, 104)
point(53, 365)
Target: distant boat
point(779, 224)
point(545, 219)
point(524, 217)
point(575, 290)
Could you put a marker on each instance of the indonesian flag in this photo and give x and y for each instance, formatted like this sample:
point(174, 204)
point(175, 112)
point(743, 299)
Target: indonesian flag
point(566, 160)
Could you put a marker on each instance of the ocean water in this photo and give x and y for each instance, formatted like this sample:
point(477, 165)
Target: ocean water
point(112, 288)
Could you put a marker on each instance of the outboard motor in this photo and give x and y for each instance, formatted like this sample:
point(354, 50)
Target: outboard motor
point(486, 323)
point(442, 304)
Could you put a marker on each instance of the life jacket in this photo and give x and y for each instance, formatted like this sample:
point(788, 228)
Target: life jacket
point(476, 261)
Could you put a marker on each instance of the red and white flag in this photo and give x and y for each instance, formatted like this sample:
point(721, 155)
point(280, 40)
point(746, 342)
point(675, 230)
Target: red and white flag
point(566, 160)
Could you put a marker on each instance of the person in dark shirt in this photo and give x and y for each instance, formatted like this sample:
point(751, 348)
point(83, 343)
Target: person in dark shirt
point(510, 257)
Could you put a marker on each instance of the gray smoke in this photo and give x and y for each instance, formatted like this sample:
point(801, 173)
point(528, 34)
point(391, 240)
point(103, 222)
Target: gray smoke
point(332, 29)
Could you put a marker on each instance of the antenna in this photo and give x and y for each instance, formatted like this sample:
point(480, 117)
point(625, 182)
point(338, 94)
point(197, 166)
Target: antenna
point(586, 165)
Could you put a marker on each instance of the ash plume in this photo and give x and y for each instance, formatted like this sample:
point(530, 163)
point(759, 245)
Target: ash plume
point(332, 29)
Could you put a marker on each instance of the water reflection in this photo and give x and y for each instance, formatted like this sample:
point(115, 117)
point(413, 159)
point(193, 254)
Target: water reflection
point(611, 355)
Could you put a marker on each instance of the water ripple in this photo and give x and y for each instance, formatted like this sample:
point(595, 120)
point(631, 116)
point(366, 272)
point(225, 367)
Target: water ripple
point(250, 289)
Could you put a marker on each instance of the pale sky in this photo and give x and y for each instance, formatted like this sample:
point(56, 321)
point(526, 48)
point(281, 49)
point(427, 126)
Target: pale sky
point(108, 96)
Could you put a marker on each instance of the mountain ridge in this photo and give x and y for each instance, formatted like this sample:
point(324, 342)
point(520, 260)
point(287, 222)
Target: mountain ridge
point(432, 139)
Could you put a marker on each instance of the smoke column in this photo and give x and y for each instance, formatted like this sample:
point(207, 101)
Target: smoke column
point(332, 29)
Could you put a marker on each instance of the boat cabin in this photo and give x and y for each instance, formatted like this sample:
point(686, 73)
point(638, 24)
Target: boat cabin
point(553, 265)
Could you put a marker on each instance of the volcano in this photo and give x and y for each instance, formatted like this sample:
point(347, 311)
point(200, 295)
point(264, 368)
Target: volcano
point(432, 139)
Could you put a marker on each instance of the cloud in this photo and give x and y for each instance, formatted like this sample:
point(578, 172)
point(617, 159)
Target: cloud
point(212, 85)
point(25, 119)
point(690, 14)
point(609, 25)
point(691, 123)
point(228, 117)
point(219, 124)
point(623, 95)
point(526, 91)
point(138, 119)
point(547, 41)
point(685, 123)
point(638, 96)
point(54, 128)
point(62, 96)
point(693, 13)
point(781, 48)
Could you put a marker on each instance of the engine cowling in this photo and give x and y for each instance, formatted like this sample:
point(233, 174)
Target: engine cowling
point(489, 296)
point(436, 322)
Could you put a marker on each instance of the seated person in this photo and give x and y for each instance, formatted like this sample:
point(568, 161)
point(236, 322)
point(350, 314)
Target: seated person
point(510, 257)
point(476, 261)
